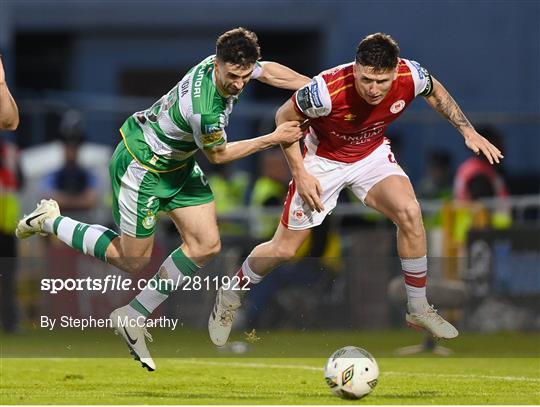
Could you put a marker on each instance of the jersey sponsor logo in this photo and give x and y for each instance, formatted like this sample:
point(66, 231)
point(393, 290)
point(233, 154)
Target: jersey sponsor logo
point(303, 98)
point(363, 136)
point(315, 94)
point(198, 83)
point(212, 137)
point(397, 106)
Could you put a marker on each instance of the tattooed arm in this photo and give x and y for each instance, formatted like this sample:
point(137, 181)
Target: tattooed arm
point(441, 101)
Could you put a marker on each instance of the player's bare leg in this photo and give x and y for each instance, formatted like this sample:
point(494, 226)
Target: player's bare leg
point(130, 254)
point(395, 198)
point(198, 228)
point(263, 259)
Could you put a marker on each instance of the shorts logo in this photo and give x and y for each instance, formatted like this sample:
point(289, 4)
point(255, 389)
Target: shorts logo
point(397, 106)
point(149, 219)
point(298, 214)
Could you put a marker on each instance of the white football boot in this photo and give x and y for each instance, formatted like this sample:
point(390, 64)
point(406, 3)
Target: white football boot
point(134, 336)
point(33, 223)
point(221, 318)
point(432, 322)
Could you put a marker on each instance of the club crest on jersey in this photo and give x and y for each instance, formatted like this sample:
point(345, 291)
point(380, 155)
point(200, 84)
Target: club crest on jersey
point(397, 106)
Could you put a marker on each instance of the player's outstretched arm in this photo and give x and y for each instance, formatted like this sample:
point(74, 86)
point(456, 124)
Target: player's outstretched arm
point(307, 185)
point(9, 113)
point(280, 76)
point(441, 101)
point(288, 132)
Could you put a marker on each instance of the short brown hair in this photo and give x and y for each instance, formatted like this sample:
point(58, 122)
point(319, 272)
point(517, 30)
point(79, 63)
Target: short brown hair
point(238, 46)
point(379, 51)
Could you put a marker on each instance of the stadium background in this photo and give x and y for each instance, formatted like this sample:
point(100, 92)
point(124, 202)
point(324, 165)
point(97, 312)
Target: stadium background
point(107, 59)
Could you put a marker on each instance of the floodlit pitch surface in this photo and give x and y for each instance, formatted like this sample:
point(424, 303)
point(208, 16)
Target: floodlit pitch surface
point(77, 367)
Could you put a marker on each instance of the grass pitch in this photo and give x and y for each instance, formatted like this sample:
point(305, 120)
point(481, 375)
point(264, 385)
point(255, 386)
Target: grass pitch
point(71, 367)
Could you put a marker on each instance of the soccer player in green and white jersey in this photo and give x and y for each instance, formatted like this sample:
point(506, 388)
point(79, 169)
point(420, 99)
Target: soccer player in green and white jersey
point(153, 169)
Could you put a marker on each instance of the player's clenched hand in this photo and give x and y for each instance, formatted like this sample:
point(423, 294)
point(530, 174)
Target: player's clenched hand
point(479, 145)
point(310, 190)
point(287, 133)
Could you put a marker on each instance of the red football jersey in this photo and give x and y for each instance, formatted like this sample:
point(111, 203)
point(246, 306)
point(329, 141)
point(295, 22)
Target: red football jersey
point(343, 126)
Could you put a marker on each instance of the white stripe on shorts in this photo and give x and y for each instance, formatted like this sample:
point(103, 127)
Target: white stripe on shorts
point(128, 196)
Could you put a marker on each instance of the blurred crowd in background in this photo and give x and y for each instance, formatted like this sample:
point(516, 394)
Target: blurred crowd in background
point(76, 78)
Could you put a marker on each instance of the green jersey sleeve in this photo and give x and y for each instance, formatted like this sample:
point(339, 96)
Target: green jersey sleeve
point(208, 130)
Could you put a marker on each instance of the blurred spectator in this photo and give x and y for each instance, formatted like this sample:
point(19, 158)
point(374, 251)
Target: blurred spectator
point(476, 179)
point(10, 182)
point(72, 186)
point(270, 189)
point(437, 183)
point(229, 187)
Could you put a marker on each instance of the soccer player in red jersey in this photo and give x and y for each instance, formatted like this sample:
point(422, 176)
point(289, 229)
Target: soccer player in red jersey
point(349, 108)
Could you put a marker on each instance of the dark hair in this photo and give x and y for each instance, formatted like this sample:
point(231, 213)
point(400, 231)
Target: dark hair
point(379, 51)
point(238, 46)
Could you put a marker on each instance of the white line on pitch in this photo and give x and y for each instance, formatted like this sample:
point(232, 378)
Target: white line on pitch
point(390, 373)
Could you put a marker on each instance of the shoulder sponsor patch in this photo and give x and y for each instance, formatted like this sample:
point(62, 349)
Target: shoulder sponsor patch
point(303, 98)
point(212, 137)
point(315, 94)
point(421, 71)
point(212, 128)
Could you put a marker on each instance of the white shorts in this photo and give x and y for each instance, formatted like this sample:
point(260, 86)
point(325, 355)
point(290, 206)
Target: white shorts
point(333, 177)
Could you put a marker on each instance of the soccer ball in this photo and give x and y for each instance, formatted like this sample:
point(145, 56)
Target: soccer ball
point(351, 372)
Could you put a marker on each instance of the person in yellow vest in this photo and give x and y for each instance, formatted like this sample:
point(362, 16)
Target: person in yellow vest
point(9, 206)
point(269, 191)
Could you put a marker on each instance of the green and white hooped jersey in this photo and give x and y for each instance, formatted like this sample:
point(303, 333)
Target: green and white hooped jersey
point(191, 116)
